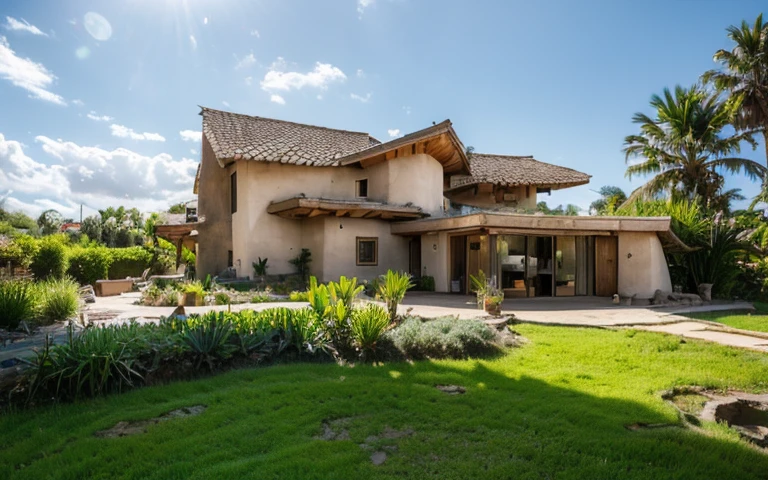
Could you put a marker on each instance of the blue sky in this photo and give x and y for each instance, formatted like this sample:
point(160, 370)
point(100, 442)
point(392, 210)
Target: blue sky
point(99, 99)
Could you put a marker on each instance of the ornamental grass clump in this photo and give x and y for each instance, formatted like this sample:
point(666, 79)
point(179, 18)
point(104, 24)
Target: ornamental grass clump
point(17, 303)
point(367, 326)
point(57, 300)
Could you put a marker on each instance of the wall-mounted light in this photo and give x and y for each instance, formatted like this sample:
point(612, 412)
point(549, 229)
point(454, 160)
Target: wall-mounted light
point(629, 255)
point(341, 227)
point(434, 247)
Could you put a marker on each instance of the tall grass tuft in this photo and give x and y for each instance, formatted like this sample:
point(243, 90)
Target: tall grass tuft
point(17, 302)
point(58, 299)
point(367, 325)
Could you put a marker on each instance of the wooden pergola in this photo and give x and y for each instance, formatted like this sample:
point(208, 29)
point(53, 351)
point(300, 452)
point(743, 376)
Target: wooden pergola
point(180, 235)
point(300, 207)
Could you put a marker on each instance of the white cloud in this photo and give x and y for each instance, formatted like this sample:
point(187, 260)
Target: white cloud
point(78, 102)
point(407, 110)
point(393, 132)
point(277, 99)
point(125, 132)
point(225, 103)
point(205, 21)
point(193, 42)
point(249, 81)
point(360, 98)
point(360, 73)
point(99, 118)
point(93, 176)
point(319, 97)
point(320, 77)
point(191, 136)
point(31, 76)
point(193, 151)
point(23, 26)
point(245, 62)
point(362, 5)
point(255, 33)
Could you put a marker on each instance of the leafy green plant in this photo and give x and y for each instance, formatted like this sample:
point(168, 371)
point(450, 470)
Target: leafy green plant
point(17, 303)
point(427, 283)
point(319, 298)
point(50, 260)
point(260, 267)
point(58, 299)
point(222, 298)
point(392, 290)
point(367, 326)
point(346, 290)
point(297, 296)
point(207, 283)
point(207, 338)
point(129, 262)
point(89, 264)
point(301, 262)
point(306, 333)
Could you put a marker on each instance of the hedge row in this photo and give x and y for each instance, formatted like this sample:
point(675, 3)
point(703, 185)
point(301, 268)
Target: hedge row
point(88, 264)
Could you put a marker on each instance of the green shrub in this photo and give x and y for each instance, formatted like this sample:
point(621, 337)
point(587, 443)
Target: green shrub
point(392, 290)
point(260, 297)
point(96, 361)
point(17, 302)
point(447, 337)
point(58, 299)
point(50, 260)
point(427, 283)
point(367, 326)
point(346, 290)
point(222, 298)
point(89, 264)
point(297, 296)
point(207, 338)
point(129, 262)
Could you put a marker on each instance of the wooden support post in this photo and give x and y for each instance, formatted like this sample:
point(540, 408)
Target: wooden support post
point(178, 252)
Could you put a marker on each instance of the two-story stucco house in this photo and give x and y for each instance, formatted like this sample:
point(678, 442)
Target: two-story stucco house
point(268, 188)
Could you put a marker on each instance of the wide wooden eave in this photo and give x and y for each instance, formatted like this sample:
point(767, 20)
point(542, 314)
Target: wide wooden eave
point(300, 207)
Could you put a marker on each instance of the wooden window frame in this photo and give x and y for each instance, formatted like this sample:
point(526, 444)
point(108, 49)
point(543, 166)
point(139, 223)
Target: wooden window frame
point(233, 192)
point(375, 241)
point(357, 188)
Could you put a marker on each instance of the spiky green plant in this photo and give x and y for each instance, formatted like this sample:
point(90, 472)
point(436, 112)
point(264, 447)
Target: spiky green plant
point(392, 290)
point(17, 302)
point(367, 326)
point(319, 298)
point(58, 299)
point(206, 337)
point(346, 290)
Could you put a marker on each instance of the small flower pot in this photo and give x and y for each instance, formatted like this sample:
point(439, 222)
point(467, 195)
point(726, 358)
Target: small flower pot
point(492, 307)
point(191, 299)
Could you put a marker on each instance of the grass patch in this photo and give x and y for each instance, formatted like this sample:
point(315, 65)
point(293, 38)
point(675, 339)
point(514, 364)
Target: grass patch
point(755, 322)
point(555, 408)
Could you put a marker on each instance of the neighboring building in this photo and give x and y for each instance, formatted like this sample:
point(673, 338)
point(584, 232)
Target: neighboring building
point(269, 188)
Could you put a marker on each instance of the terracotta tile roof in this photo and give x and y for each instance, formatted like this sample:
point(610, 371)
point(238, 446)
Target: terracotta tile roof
point(508, 170)
point(269, 140)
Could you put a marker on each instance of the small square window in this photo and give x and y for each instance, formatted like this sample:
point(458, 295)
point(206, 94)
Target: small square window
point(361, 188)
point(367, 251)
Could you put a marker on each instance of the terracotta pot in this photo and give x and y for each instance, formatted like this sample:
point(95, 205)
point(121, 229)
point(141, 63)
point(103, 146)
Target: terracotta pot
point(192, 300)
point(492, 307)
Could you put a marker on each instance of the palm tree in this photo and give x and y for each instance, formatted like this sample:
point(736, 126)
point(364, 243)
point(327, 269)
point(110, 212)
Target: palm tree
point(684, 147)
point(610, 199)
point(745, 75)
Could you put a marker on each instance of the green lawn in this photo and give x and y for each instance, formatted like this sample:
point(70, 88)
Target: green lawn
point(555, 408)
point(757, 322)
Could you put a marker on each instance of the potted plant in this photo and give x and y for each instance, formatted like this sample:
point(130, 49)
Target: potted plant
point(493, 300)
point(193, 294)
point(479, 285)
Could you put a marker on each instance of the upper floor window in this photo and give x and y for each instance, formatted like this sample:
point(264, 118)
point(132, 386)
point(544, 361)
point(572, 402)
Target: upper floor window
point(361, 188)
point(233, 191)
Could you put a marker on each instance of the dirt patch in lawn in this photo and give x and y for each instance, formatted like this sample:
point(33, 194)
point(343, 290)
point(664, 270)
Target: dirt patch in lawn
point(124, 429)
point(380, 445)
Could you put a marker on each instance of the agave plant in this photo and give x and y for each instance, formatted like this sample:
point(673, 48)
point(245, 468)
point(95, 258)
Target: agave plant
point(392, 290)
point(207, 339)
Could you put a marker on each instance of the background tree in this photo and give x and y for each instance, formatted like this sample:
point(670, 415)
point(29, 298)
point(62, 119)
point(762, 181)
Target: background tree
point(50, 222)
point(91, 228)
point(611, 198)
point(178, 208)
point(744, 75)
point(685, 148)
point(570, 210)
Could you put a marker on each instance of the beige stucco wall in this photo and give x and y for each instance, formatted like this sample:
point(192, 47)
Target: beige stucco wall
point(642, 266)
point(215, 233)
point(476, 198)
point(415, 179)
point(435, 260)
